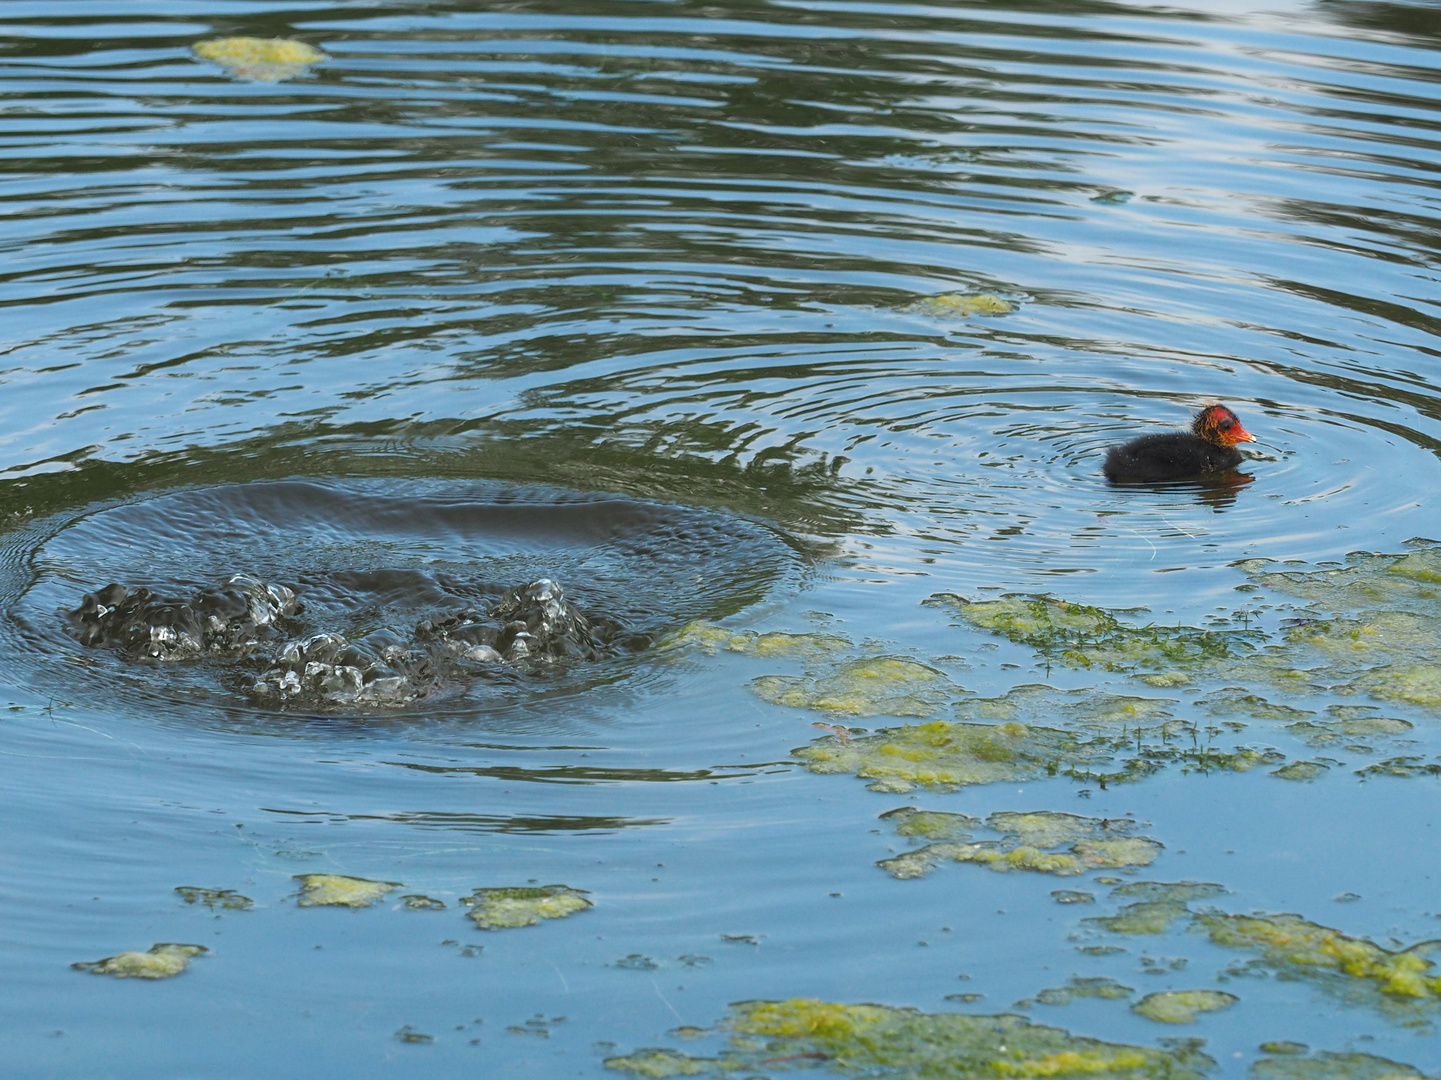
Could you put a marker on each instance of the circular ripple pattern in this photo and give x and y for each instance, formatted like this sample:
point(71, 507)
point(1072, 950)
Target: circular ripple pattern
point(381, 562)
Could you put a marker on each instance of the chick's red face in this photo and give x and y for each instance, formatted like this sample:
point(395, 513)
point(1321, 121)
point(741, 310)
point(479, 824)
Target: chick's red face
point(1219, 424)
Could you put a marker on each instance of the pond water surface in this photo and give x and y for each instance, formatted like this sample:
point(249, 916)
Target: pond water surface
point(787, 338)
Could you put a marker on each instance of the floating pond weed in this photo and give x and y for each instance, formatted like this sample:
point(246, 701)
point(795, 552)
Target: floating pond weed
point(1297, 946)
point(507, 908)
point(952, 305)
point(162, 961)
point(941, 755)
point(1090, 844)
point(1079, 987)
point(260, 59)
point(1329, 1066)
point(226, 899)
point(338, 890)
point(878, 1041)
point(1182, 1006)
point(1083, 636)
point(877, 686)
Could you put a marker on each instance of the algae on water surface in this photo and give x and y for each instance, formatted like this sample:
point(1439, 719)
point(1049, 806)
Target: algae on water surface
point(1298, 946)
point(880, 1041)
point(1325, 1065)
point(338, 890)
point(941, 755)
point(260, 59)
point(507, 908)
point(1182, 1006)
point(162, 961)
point(1088, 843)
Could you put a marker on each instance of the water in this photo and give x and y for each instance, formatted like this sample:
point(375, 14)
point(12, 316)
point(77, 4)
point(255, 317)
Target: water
point(652, 271)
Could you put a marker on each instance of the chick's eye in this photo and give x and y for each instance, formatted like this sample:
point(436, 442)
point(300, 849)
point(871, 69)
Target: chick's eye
point(1227, 424)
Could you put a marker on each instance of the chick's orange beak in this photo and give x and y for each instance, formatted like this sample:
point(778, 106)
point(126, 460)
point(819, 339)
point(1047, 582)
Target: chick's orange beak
point(1240, 434)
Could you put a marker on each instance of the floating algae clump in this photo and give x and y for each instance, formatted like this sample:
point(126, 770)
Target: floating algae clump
point(1301, 770)
point(1093, 710)
point(1411, 581)
point(931, 824)
point(1082, 636)
point(1348, 726)
point(159, 962)
point(1077, 987)
point(1158, 905)
point(1182, 1006)
point(1329, 1066)
point(875, 1041)
point(877, 686)
point(502, 909)
point(710, 638)
point(259, 59)
point(1296, 946)
point(337, 890)
point(941, 755)
point(228, 899)
point(1233, 700)
point(1091, 843)
point(962, 304)
point(658, 1063)
point(1145, 917)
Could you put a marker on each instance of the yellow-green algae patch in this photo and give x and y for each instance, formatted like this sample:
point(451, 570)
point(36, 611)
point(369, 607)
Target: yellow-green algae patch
point(880, 1041)
point(259, 59)
point(1158, 905)
point(162, 961)
point(507, 908)
point(1083, 636)
point(658, 1063)
point(1331, 1066)
point(1144, 917)
point(1182, 1006)
point(1301, 770)
point(338, 890)
point(1078, 987)
point(1089, 843)
point(1297, 946)
point(1406, 581)
point(952, 305)
point(1379, 640)
point(941, 755)
point(911, 821)
point(710, 638)
point(875, 686)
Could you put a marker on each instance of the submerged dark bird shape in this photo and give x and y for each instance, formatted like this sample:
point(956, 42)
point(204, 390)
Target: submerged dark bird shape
point(1209, 447)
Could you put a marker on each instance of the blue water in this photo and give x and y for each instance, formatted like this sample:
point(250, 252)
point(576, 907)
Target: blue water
point(669, 253)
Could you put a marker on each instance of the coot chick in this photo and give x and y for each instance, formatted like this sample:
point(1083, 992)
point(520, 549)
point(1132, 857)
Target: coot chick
point(1209, 447)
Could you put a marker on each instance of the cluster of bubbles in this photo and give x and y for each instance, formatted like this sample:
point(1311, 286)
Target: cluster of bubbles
point(256, 624)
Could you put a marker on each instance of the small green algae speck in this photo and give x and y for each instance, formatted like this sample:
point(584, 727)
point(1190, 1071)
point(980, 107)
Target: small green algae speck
point(507, 908)
point(162, 961)
point(1182, 1006)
